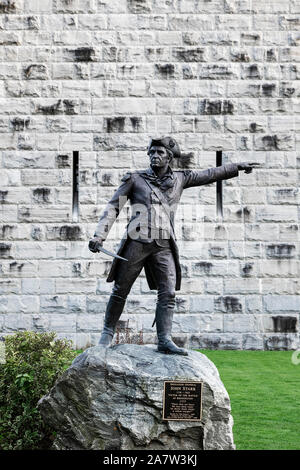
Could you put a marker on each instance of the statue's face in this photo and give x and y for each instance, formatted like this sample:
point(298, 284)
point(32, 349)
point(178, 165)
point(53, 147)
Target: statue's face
point(159, 156)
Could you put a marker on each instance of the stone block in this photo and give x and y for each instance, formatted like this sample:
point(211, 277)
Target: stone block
point(14, 322)
point(201, 304)
point(216, 341)
point(235, 323)
point(253, 342)
point(281, 342)
point(281, 303)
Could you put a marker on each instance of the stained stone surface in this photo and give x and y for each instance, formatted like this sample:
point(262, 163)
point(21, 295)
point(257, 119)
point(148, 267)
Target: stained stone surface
point(112, 399)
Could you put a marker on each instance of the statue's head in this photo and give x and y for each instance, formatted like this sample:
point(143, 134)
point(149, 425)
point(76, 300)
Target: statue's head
point(161, 151)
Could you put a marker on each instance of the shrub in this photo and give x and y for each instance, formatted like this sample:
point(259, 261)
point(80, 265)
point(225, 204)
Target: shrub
point(33, 361)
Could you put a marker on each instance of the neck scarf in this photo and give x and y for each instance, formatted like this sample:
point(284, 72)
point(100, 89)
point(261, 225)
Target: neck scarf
point(165, 182)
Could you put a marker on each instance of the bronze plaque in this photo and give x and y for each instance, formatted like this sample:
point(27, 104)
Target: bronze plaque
point(182, 401)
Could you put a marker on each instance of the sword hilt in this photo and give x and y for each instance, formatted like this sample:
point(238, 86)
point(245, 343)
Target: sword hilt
point(98, 246)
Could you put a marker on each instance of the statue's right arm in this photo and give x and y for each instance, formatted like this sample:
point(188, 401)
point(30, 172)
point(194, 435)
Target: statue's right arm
point(113, 208)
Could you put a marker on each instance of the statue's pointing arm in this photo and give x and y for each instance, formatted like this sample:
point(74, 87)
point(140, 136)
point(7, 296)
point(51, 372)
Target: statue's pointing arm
point(114, 207)
point(198, 178)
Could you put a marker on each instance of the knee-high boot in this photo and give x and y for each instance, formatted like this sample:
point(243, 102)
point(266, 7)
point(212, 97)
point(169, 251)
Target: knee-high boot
point(164, 318)
point(113, 312)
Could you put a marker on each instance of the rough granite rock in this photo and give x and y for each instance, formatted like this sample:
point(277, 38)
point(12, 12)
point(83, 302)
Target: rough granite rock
point(112, 399)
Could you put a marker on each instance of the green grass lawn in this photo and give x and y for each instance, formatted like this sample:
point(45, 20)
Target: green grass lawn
point(264, 389)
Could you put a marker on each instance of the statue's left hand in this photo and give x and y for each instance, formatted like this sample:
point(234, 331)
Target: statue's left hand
point(248, 166)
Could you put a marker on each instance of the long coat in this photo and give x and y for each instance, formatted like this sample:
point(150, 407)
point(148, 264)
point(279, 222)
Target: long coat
point(134, 187)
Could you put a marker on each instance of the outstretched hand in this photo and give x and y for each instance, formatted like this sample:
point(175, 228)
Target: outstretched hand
point(93, 244)
point(248, 166)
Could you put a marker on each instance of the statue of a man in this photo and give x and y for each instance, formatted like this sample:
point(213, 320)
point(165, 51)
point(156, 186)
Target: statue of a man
point(149, 242)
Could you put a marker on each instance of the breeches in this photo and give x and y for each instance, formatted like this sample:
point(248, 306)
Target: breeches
point(162, 265)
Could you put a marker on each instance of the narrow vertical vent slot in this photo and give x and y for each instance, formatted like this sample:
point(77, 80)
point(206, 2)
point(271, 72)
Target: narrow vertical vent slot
point(219, 162)
point(75, 186)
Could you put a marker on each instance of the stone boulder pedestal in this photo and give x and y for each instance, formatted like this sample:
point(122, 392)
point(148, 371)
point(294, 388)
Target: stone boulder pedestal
point(112, 399)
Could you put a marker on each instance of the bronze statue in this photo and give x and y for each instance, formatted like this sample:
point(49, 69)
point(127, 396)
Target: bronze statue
point(149, 243)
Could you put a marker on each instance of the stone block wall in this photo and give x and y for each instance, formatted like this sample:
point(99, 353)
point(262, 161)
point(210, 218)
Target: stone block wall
point(100, 77)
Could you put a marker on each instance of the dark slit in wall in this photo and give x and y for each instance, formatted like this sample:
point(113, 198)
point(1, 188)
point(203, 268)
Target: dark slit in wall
point(219, 186)
point(75, 186)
